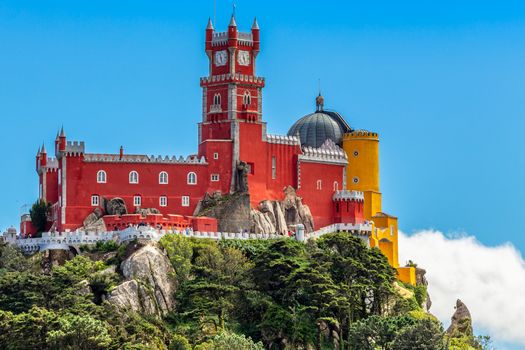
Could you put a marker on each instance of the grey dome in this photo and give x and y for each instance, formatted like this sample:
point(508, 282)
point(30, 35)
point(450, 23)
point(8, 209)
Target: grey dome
point(314, 129)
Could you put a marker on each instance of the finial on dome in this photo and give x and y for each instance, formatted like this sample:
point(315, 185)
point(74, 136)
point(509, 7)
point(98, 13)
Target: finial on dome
point(210, 24)
point(319, 102)
point(255, 25)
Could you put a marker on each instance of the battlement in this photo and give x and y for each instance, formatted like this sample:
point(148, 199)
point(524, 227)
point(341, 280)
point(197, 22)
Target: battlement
point(116, 158)
point(346, 195)
point(328, 152)
point(361, 134)
point(75, 148)
point(221, 38)
point(283, 140)
point(52, 163)
point(233, 78)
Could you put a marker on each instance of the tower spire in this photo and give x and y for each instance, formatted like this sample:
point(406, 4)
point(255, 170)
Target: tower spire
point(43, 148)
point(210, 24)
point(255, 25)
point(232, 21)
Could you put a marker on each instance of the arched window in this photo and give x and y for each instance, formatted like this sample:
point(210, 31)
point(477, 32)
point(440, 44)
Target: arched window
point(192, 178)
point(163, 178)
point(336, 186)
point(319, 184)
point(217, 99)
point(133, 177)
point(247, 98)
point(101, 177)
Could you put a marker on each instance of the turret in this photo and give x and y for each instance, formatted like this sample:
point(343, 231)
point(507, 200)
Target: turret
point(209, 34)
point(348, 207)
point(62, 141)
point(232, 32)
point(37, 166)
point(43, 156)
point(256, 37)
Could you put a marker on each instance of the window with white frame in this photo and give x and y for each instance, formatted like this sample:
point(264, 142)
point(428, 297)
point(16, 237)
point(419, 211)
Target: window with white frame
point(336, 186)
point(59, 176)
point(185, 201)
point(274, 168)
point(247, 98)
point(192, 178)
point(319, 184)
point(215, 155)
point(95, 200)
point(217, 99)
point(163, 178)
point(137, 201)
point(163, 201)
point(214, 177)
point(133, 177)
point(101, 177)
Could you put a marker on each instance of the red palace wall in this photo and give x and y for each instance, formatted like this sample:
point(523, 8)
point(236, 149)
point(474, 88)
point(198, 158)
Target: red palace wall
point(51, 186)
point(320, 200)
point(348, 211)
point(82, 184)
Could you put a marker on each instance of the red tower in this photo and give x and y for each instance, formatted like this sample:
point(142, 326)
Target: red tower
point(232, 93)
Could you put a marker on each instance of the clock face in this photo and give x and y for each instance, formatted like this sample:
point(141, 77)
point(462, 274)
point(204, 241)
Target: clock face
point(243, 58)
point(221, 57)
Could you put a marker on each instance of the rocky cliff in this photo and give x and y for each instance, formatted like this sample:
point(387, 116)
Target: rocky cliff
point(234, 213)
point(150, 285)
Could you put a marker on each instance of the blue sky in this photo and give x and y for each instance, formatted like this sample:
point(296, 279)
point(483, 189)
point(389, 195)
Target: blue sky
point(441, 81)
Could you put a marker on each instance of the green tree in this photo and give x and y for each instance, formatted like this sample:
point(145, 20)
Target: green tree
point(12, 259)
point(39, 213)
point(230, 341)
point(426, 334)
point(180, 253)
point(79, 333)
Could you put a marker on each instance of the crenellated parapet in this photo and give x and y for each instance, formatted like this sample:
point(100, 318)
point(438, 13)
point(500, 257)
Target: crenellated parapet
point(232, 78)
point(361, 134)
point(347, 195)
point(328, 152)
point(283, 140)
point(74, 148)
point(221, 39)
point(116, 158)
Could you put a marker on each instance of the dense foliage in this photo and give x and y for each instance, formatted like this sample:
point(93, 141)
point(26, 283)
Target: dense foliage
point(39, 212)
point(334, 293)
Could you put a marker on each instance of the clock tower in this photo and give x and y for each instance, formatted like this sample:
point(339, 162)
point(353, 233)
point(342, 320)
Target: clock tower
point(232, 92)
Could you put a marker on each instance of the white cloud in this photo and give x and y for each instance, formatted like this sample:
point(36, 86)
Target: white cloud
point(489, 280)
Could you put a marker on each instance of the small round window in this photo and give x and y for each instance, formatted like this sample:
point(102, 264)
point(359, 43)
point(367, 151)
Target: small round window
point(356, 179)
point(356, 153)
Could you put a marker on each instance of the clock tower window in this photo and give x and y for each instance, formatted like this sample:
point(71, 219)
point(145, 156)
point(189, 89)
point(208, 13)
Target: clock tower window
point(217, 99)
point(247, 99)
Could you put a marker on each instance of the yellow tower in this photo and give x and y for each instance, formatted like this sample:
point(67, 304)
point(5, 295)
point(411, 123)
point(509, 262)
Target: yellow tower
point(362, 174)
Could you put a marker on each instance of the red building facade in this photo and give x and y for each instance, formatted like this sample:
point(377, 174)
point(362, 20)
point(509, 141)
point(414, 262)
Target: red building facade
point(232, 131)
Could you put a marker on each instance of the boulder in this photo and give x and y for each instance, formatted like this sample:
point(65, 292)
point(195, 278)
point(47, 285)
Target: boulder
point(93, 217)
point(133, 296)
point(461, 322)
point(280, 222)
point(147, 211)
point(150, 285)
point(116, 206)
point(233, 212)
point(261, 223)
